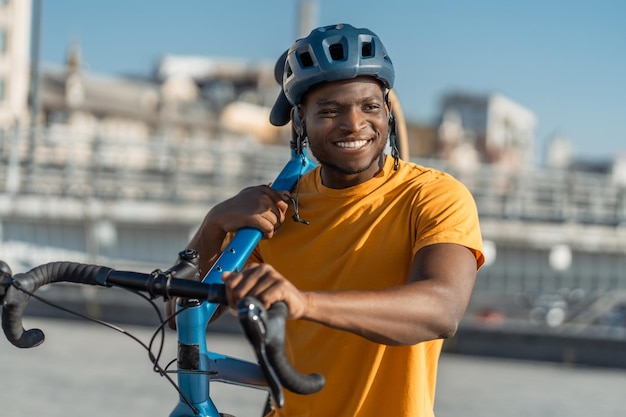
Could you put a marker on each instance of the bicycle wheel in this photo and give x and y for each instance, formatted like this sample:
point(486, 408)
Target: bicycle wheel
point(402, 139)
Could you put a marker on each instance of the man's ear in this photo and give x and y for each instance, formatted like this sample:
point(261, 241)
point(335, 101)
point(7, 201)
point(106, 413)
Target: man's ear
point(388, 104)
point(296, 121)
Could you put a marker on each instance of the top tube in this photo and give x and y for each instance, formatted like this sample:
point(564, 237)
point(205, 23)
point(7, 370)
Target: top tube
point(245, 240)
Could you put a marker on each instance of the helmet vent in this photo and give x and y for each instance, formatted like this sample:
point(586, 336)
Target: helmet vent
point(306, 60)
point(336, 51)
point(367, 50)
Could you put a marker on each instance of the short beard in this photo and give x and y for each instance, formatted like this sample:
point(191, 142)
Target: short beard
point(346, 170)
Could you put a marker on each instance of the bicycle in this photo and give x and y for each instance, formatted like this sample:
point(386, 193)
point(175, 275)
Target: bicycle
point(197, 303)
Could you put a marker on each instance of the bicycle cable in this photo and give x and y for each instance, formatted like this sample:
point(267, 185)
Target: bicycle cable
point(296, 217)
point(149, 347)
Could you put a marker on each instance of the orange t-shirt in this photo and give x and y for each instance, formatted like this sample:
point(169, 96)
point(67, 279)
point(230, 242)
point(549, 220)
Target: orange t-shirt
point(364, 238)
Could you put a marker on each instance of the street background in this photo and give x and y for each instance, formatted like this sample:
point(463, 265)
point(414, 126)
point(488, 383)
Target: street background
point(86, 369)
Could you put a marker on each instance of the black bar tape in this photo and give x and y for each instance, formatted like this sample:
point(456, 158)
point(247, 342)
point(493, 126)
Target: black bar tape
point(291, 378)
point(15, 301)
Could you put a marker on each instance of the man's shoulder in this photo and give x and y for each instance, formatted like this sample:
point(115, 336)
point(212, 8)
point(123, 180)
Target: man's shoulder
point(412, 171)
point(422, 181)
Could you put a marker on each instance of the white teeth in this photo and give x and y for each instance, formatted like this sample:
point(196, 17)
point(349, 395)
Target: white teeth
point(352, 144)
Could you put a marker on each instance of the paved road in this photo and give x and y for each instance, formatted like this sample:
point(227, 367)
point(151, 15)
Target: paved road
point(486, 387)
point(84, 369)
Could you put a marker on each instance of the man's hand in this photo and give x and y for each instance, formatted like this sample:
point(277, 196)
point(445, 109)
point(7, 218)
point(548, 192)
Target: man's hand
point(264, 283)
point(259, 207)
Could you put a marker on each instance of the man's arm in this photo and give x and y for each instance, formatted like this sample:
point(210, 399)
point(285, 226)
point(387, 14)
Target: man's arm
point(259, 207)
point(429, 306)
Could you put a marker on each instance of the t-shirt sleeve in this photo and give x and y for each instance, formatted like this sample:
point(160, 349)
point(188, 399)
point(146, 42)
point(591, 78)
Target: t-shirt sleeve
point(446, 213)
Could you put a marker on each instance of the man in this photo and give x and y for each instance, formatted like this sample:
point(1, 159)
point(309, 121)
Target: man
point(384, 269)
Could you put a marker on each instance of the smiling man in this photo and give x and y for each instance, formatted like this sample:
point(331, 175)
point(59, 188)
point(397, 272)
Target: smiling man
point(384, 270)
point(349, 121)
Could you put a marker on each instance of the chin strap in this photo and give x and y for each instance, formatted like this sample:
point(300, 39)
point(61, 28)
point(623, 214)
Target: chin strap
point(393, 132)
point(299, 142)
point(296, 217)
point(392, 142)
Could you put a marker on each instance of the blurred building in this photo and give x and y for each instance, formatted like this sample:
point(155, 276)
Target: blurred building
point(559, 153)
point(485, 129)
point(560, 156)
point(15, 25)
point(240, 92)
point(185, 97)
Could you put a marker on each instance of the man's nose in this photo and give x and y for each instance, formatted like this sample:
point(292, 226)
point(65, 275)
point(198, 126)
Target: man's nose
point(353, 120)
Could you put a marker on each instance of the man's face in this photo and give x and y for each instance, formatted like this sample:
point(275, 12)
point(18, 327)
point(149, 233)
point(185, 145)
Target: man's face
point(347, 125)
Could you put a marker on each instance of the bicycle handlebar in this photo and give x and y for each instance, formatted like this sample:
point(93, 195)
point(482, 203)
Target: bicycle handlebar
point(158, 283)
point(15, 300)
point(265, 333)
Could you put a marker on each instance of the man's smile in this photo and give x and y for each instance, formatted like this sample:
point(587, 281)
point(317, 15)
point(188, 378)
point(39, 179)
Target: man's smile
point(353, 144)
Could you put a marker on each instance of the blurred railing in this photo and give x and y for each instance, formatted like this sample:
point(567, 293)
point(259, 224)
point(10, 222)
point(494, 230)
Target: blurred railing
point(60, 162)
point(543, 195)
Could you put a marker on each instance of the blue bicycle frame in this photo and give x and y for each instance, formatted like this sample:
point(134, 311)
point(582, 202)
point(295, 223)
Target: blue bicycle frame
point(199, 364)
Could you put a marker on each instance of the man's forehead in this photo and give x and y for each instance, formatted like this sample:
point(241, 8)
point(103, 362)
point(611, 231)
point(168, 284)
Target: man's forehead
point(330, 91)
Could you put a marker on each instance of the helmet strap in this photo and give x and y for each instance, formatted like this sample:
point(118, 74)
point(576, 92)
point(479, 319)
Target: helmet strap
point(393, 132)
point(300, 132)
point(298, 142)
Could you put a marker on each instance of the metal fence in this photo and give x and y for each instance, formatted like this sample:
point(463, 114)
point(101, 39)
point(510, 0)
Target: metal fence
point(62, 162)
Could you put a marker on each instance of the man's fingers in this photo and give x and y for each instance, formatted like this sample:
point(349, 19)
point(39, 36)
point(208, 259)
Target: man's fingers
point(255, 281)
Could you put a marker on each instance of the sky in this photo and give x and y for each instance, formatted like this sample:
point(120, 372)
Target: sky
point(565, 60)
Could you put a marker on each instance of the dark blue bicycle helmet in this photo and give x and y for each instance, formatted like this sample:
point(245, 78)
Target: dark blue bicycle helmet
point(328, 53)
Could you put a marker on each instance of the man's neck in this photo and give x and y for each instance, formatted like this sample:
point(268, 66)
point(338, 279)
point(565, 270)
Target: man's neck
point(333, 177)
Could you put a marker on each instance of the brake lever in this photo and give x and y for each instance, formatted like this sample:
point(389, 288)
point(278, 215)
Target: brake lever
point(6, 278)
point(254, 318)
